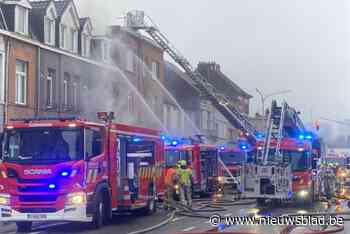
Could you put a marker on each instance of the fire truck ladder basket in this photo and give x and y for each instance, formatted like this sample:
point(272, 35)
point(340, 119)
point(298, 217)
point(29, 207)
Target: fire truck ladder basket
point(137, 21)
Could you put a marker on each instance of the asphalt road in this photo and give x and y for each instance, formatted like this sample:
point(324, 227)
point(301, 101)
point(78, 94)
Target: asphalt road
point(128, 223)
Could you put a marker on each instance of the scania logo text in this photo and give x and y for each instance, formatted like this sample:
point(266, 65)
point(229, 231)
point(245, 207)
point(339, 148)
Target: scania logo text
point(37, 171)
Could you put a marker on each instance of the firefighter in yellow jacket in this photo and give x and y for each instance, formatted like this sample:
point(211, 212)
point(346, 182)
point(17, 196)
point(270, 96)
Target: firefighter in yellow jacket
point(185, 179)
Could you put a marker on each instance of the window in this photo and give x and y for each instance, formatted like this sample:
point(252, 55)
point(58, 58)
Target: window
point(93, 143)
point(129, 61)
point(204, 119)
point(49, 87)
point(105, 51)
point(63, 36)
point(21, 20)
point(85, 45)
point(49, 31)
point(2, 78)
point(155, 70)
point(131, 104)
point(71, 39)
point(75, 94)
point(66, 90)
point(209, 120)
point(21, 82)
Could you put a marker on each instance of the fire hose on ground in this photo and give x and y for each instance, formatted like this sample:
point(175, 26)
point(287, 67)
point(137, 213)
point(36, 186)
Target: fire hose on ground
point(204, 206)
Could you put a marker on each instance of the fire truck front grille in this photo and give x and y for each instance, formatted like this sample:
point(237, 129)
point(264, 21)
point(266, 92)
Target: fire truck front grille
point(37, 198)
point(35, 189)
point(37, 210)
point(31, 181)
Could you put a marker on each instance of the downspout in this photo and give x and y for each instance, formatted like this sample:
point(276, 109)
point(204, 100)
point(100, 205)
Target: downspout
point(7, 78)
point(39, 81)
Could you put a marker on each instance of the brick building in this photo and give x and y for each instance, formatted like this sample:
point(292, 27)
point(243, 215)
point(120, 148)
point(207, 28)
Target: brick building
point(141, 60)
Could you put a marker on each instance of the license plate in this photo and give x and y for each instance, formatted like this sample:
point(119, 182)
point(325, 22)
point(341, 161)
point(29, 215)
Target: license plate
point(37, 216)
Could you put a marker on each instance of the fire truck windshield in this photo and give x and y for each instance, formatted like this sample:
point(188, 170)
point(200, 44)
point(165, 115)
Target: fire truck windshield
point(232, 158)
point(173, 156)
point(300, 160)
point(42, 145)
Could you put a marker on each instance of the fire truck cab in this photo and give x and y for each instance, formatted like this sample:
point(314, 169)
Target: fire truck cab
point(233, 157)
point(202, 158)
point(298, 154)
point(68, 169)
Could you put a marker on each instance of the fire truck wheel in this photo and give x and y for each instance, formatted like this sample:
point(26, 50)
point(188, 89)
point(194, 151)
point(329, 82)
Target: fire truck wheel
point(99, 214)
point(24, 226)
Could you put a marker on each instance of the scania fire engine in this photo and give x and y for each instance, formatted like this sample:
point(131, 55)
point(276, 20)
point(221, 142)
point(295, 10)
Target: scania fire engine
point(298, 153)
point(202, 158)
point(68, 169)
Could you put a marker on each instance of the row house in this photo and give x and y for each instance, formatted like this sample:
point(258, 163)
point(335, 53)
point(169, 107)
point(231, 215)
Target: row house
point(213, 124)
point(142, 63)
point(47, 62)
point(179, 122)
point(197, 110)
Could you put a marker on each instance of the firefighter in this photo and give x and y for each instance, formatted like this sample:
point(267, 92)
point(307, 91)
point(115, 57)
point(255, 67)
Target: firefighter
point(185, 176)
point(171, 180)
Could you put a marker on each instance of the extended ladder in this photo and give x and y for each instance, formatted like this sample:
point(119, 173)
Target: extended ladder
point(274, 131)
point(136, 20)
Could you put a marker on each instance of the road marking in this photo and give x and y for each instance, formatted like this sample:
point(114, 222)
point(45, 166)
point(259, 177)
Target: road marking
point(178, 218)
point(35, 232)
point(227, 215)
point(188, 229)
point(45, 226)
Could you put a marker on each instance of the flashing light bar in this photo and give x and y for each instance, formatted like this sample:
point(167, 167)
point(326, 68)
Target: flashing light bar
point(307, 137)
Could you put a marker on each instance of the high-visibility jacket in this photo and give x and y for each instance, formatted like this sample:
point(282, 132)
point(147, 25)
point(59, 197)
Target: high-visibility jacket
point(185, 176)
point(169, 176)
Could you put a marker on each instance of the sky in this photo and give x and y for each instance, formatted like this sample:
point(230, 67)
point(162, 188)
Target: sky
point(272, 45)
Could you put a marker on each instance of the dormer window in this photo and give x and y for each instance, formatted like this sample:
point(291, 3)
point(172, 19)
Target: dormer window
point(69, 26)
point(21, 20)
point(49, 27)
point(85, 36)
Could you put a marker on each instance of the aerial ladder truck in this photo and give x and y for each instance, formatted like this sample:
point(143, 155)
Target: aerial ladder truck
point(282, 120)
point(136, 20)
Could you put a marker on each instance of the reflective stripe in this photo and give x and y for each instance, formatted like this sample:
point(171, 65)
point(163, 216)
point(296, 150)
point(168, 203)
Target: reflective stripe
point(89, 176)
point(94, 176)
point(141, 173)
point(127, 197)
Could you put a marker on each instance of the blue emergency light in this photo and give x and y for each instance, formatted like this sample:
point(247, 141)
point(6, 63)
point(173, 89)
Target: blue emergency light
point(301, 137)
point(136, 140)
point(52, 186)
point(309, 137)
point(64, 173)
point(174, 143)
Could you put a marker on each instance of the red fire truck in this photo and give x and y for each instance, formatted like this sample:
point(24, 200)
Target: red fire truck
point(233, 157)
point(298, 153)
point(202, 158)
point(68, 169)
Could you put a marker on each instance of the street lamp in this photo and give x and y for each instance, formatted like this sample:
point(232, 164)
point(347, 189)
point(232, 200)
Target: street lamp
point(264, 97)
